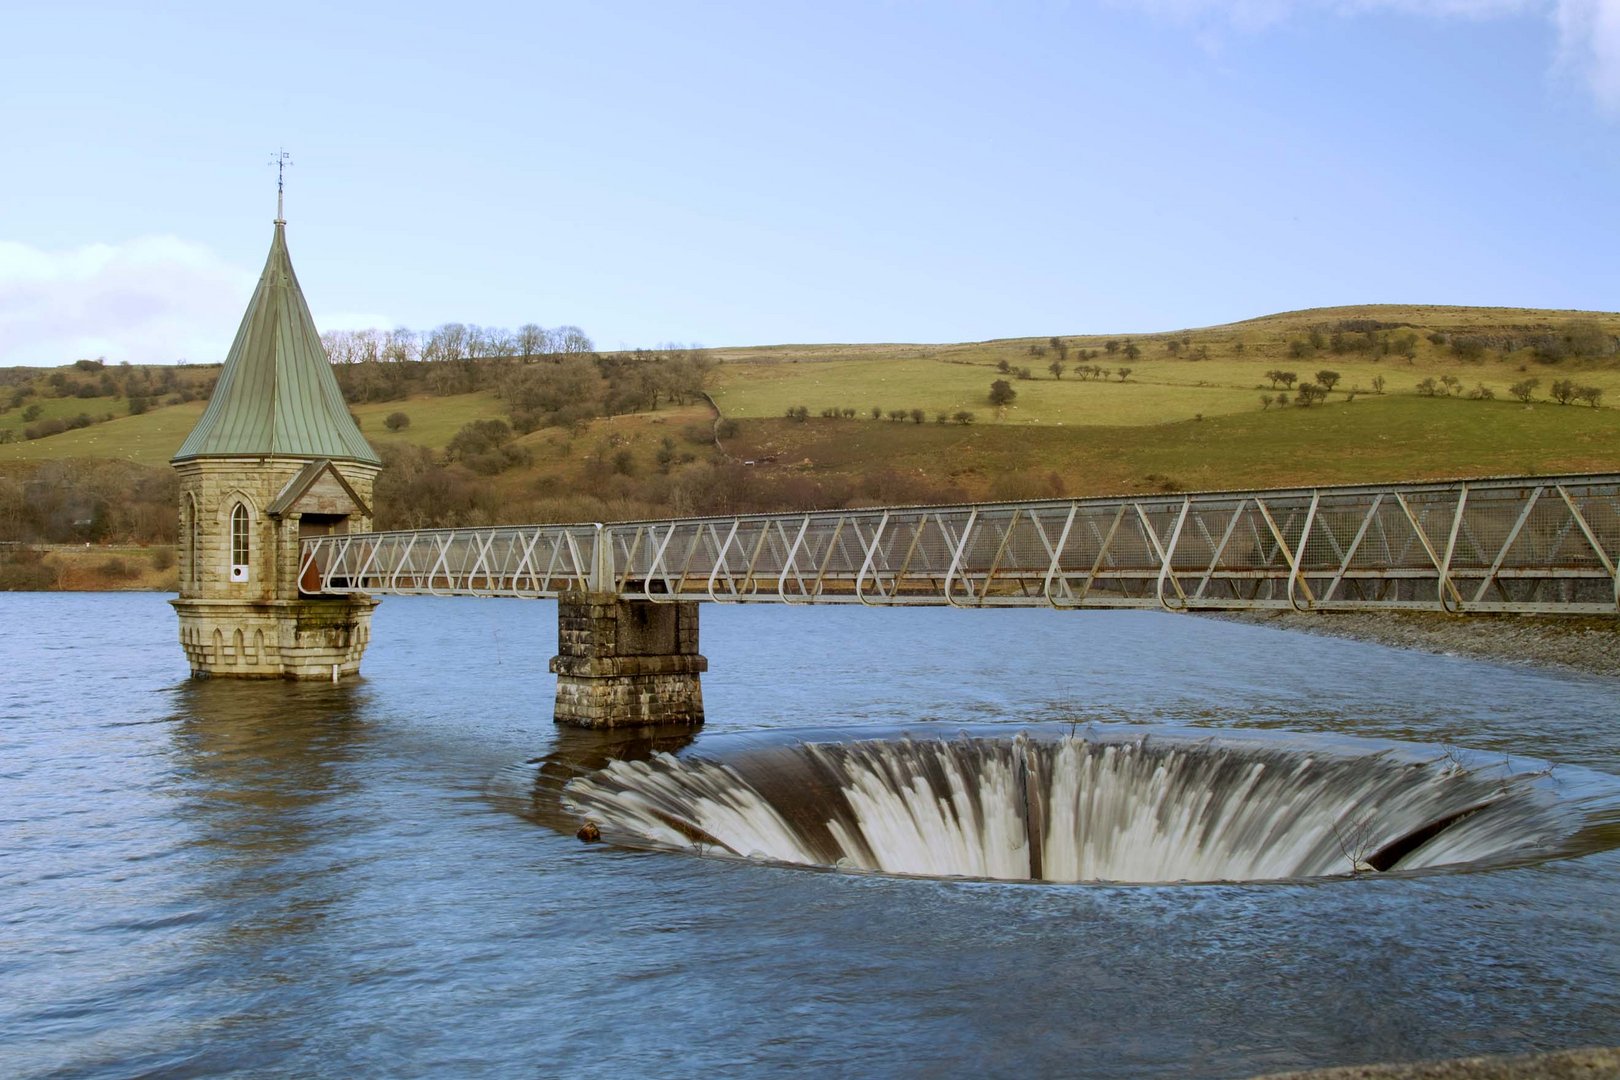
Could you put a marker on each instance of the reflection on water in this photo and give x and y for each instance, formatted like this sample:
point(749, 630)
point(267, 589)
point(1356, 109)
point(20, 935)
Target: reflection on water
point(261, 766)
point(271, 879)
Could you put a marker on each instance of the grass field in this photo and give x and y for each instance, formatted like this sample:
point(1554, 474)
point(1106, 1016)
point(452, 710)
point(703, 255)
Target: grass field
point(935, 386)
point(434, 420)
point(1266, 333)
point(62, 409)
point(1372, 439)
point(154, 436)
point(1159, 390)
point(151, 438)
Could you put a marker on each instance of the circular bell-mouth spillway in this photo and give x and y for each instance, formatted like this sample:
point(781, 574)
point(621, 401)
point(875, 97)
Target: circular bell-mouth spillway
point(1124, 804)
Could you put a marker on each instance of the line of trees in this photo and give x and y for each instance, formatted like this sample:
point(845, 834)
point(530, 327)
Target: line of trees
point(801, 413)
point(544, 377)
point(454, 341)
point(453, 358)
point(74, 501)
point(1579, 339)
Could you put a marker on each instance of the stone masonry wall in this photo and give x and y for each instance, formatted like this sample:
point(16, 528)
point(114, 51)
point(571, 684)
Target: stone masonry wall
point(625, 663)
point(260, 628)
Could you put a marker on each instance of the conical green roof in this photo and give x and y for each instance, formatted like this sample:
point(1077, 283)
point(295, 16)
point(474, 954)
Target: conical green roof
point(277, 394)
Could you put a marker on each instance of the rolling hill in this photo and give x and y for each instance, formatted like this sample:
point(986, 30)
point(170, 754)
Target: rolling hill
point(1416, 392)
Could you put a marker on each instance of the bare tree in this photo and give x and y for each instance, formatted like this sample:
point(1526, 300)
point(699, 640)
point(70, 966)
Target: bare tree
point(1355, 839)
point(530, 341)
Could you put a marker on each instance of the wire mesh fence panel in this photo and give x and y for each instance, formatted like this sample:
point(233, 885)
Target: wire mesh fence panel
point(1515, 544)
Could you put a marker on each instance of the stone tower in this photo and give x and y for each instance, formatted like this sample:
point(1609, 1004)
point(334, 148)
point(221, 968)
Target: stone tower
point(275, 457)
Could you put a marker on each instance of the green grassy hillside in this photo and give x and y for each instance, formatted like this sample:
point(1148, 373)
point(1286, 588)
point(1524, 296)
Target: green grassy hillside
point(1211, 372)
point(1421, 392)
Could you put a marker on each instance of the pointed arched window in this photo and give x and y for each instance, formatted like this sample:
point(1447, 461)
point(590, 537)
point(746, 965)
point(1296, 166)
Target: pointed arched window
point(188, 535)
point(240, 547)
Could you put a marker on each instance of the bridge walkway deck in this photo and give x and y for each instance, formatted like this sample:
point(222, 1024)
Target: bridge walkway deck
point(1512, 544)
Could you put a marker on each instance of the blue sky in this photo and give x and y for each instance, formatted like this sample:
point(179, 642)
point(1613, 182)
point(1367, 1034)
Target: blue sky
point(727, 174)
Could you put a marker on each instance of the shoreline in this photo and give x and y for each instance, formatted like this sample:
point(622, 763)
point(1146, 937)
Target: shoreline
point(1580, 644)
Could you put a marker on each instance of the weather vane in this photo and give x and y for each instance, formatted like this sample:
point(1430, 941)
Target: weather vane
point(281, 160)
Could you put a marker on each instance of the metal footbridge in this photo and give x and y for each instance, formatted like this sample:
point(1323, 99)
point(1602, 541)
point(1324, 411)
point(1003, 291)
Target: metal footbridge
point(1514, 544)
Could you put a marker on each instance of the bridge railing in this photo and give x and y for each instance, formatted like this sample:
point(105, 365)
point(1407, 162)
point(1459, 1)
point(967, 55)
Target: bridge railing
point(1514, 544)
point(534, 561)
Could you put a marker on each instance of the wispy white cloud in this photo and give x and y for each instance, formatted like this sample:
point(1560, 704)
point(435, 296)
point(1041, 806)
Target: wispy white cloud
point(1589, 46)
point(1588, 30)
point(1253, 14)
point(154, 299)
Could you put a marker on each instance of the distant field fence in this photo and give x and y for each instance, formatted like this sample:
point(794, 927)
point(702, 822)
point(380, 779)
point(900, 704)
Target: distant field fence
point(1523, 544)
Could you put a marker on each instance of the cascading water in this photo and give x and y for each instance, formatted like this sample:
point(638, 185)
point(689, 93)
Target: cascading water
point(1121, 806)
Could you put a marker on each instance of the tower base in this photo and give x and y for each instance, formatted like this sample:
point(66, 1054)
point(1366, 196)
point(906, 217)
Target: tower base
point(627, 663)
point(275, 639)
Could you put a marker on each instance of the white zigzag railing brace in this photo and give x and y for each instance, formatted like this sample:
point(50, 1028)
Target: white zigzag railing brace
point(1508, 546)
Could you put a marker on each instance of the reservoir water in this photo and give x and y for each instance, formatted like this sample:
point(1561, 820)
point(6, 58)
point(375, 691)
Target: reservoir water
point(279, 880)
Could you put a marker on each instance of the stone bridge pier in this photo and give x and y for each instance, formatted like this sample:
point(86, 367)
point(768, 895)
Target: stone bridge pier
point(627, 663)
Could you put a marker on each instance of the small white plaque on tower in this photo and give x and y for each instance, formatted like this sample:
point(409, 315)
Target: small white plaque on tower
point(239, 572)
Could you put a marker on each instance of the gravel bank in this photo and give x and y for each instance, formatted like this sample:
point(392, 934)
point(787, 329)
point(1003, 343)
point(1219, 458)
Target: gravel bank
point(1597, 1063)
point(1569, 643)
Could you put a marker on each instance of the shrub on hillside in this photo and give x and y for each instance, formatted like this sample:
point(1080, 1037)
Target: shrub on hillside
point(23, 569)
point(478, 437)
point(118, 568)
